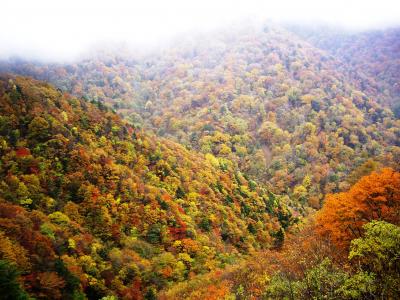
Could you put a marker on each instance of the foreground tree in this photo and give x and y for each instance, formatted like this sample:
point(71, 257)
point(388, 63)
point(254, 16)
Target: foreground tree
point(373, 197)
point(378, 254)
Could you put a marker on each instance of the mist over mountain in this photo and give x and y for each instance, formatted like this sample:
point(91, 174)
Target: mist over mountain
point(63, 30)
point(200, 150)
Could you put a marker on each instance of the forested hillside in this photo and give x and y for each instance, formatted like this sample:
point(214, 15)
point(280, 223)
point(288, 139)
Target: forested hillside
point(249, 163)
point(372, 58)
point(350, 250)
point(264, 100)
point(91, 206)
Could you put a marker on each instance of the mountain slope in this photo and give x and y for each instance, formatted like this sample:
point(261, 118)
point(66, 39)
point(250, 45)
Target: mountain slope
point(91, 206)
point(372, 58)
point(283, 111)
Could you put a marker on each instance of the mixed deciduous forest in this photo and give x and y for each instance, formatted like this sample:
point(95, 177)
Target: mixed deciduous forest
point(259, 163)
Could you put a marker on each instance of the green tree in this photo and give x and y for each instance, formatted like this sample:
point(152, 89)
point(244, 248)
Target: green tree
point(319, 282)
point(359, 286)
point(39, 129)
point(10, 288)
point(154, 234)
point(378, 252)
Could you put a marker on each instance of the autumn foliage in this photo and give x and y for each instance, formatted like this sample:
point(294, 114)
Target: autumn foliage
point(373, 197)
point(196, 173)
point(261, 99)
point(90, 205)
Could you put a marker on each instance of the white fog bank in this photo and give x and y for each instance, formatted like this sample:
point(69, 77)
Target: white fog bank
point(62, 29)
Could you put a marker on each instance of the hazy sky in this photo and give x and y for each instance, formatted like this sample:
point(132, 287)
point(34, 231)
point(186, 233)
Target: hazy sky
point(60, 29)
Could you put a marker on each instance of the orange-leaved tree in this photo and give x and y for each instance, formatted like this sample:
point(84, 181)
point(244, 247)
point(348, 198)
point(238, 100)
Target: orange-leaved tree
point(373, 197)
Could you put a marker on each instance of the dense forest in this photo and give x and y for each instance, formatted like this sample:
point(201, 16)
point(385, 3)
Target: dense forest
point(371, 57)
point(265, 100)
point(90, 202)
point(260, 163)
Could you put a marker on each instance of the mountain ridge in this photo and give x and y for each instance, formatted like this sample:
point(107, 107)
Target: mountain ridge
point(263, 94)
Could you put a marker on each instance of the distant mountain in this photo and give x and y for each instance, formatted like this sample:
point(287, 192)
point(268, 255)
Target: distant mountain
point(288, 114)
point(372, 58)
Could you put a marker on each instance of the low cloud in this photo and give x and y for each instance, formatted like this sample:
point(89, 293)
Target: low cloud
point(60, 30)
